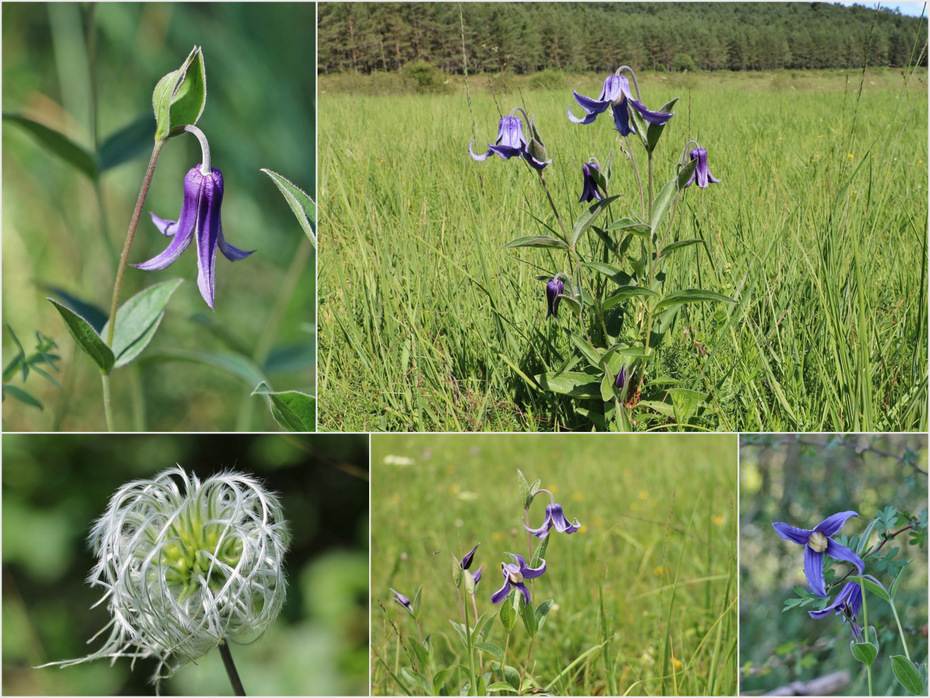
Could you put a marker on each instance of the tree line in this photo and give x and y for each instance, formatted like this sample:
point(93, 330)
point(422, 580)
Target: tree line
point(576, 37)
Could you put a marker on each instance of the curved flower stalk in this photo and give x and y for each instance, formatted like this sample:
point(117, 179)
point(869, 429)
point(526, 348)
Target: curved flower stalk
point(555, 518)
point(187, 565)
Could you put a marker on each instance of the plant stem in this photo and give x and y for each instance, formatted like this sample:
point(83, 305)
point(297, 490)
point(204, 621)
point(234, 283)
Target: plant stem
point(900, 630)
point(529, 653)
point(471, 654)
point(108, 413)
point(231, 669)
point(865, 630)
point(649, 154)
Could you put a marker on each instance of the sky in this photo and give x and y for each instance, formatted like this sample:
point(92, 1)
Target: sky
point(912, 9)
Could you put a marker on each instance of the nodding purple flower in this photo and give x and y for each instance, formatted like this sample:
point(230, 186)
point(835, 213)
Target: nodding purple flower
point(847, 603)
point(554, 519)
point(554, 289)
point(589, 191)
point(514, 574)
point(701, 171)
point(620, 380)
point(469, 556)
point(616, 94)
point(200, 220)
point(511, 143)
point(816, 542)
point(402, 600)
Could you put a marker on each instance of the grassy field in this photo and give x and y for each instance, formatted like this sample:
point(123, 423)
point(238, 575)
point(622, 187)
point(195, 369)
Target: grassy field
point(644, 592)
point(818, 231)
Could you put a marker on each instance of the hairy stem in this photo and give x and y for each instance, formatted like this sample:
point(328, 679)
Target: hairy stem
point(231, 669)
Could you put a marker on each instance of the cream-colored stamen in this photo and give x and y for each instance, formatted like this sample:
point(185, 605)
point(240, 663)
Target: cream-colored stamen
point(818, 542)
point(515, 577)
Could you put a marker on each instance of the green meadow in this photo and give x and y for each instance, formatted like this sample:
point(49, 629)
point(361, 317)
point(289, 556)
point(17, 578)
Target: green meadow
point(818, 231)
point(644, 594)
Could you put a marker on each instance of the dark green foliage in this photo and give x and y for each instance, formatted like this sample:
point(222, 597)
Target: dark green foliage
point(426, 77)
point(529, 37)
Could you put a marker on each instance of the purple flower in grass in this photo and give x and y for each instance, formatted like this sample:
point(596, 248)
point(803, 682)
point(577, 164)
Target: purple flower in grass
point(469, 556)
point(510, 143)
point(514, 574)
point(701, 171)
point(816, 543)
point(847, 603)
point(402, 600)
point(616, 94)
point(199, 220)
point(554, 519)
point(589, 191)
point(554, 289)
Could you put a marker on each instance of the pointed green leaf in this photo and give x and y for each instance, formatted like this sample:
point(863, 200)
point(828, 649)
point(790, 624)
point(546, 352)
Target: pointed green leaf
point(495, 650)
point(585, 347)
point(138, 319)
point(88, 340)
point(95, 316)
point(180, 97)
point(684, 174)
point(58, 144)
point(663, 204)
point(691, 295)
point(864, 652)
point(570, 383)
point(21, 395)
point(507, 615)
point(907, 674)
point(528, 616)
point(302, 205)
point(874, 586)
point(679, 245)
point(625, 293)
point(615, 274)
point(501, 686)
point(587, 218)
point(293, 410)
point(540, 552)
point(654, 132)
point(542, 610)
point(536, 241)
point(525, 495)
point(630, 225)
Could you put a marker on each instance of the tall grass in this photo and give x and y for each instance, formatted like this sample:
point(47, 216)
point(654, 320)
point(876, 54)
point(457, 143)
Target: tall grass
point(645, 592)
point(819, 230)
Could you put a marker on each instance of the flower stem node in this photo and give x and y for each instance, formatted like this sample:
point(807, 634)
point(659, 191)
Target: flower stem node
point(187, 565)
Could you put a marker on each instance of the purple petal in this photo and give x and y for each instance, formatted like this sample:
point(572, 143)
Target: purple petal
point(233, 254)
point(530, 573)
point(795, 535)
point(505, 151)
point(477, 575)
point(841, 552)
point(847, 596)
point(207, 233)
point(526, 592)
point(832, 524)
point(178, 244)
point(622, 119)
point(593, 107)
point(501, 593)
point(656, 118)
point(400, 598)
point(479, 158)
point(469, 556)
point(165, 227)
point(813, 569)
point(543, 530)
point(560, 522)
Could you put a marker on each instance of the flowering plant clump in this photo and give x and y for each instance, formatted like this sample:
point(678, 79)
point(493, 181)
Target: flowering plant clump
point(187, 565)
point(613, 275)
point(857, 552)
point(513, 599)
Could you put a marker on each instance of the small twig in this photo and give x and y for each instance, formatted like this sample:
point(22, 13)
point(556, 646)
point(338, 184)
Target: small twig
point(231, 669)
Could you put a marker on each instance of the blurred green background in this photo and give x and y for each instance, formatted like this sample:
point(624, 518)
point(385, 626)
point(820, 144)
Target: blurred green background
point(801, 484)
point(60, 230)
point(55, 486)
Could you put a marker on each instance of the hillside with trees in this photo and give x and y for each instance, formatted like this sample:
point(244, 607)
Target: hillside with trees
point(529, 37)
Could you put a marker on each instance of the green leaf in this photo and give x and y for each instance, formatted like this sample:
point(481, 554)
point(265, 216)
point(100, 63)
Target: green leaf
point(864, 652)
point(585, 347)
point(95, 316)
point(507, 615)
point(439, 678)
point(138, 319)
point(570, 383)
point(21, 395)
point(615, 274)
point(540, 552)
point(874, 587)
point(58, 144)
point(495, 650)
point(88, 340)
point(302, 205)
point(528, 616)
point(420, 651)
point(663, 203)
point(123, 145)
point(864, 539)
point(654, 132)
point(501, 686)
point(536, 241)
point(587, 217)
point(691, 295)
point(625, 293)
point(525, 495)
point(180, 97)
point(235, 364)
point(631, 225)
point(684, 174)
point(293, 410)
point(679, 245)
point(542, 610)
point(907, 674)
